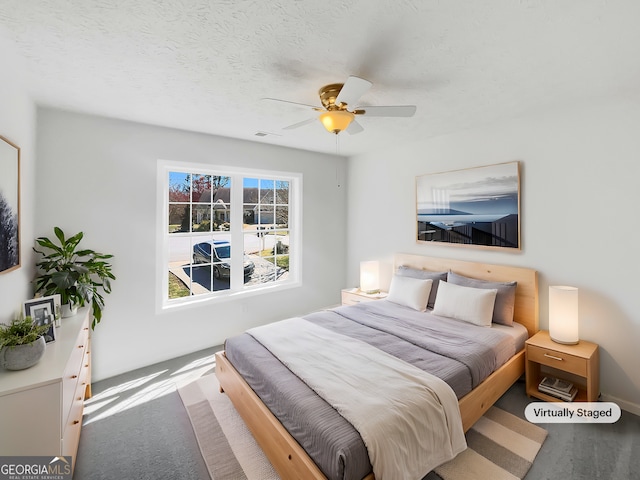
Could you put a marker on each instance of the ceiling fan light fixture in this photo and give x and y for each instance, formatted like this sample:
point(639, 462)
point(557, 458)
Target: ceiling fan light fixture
point(336, 121)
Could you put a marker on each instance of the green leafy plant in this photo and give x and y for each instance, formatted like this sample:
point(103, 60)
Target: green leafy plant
point(79, 276)
point(21, 332)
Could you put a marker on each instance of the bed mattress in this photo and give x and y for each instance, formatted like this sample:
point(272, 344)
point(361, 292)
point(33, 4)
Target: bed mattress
point(457, 352)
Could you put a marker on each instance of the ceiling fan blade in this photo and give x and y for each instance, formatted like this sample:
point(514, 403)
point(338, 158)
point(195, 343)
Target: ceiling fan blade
point(354, 127)
point(352, 90)
point(300, 124)
point(387, 111)
point(288, 101)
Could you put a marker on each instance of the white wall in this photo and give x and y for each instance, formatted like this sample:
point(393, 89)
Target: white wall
point(580, 170)
point(98, 176)
point(17, 124)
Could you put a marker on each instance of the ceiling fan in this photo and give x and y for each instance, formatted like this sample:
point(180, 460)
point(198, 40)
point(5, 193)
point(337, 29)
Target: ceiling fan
point(339, 107)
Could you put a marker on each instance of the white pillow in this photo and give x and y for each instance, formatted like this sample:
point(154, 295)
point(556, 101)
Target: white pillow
point(473, 305)
point(410, 292)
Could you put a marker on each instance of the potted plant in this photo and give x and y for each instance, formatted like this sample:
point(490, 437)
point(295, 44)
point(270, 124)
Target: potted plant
point(79, 276)
point(22, 343)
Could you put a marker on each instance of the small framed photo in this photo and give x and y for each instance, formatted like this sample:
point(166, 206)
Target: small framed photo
point(43, 312)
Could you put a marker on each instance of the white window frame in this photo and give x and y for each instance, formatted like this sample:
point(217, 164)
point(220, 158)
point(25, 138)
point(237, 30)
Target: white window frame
point(237, 289)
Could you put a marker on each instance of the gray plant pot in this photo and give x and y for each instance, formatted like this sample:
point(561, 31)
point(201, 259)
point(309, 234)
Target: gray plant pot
point(20, 357)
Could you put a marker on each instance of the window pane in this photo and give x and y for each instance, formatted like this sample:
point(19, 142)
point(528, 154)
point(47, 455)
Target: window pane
point(265, 214)
point(179, 250)
point(177, 287)
point(282, 262)
point(250, 214)
point(250, 190)
point(179, 266)
point(282, 193)
point(179, 218)
point(282, 217)
point(266, 195)
point(281, 245)
point(201, 279)
point(267, 271)
point(221, 216)
point(220, 189)
point(179, 190)
point(201, 188)
point(266, 185)
point(201, 218)
point(212, 257)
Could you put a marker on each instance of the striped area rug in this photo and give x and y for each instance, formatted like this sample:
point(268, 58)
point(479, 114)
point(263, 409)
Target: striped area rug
point(501, 446)
point(227, 446)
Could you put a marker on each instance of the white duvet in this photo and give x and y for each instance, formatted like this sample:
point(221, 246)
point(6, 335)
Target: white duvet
point(408, 419)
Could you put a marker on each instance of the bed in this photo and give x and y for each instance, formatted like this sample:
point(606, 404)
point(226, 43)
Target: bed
point(285, 452)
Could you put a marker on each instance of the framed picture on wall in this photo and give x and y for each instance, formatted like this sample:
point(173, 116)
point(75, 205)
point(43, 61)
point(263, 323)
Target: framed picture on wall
point(476, 206)
point(9, 206)
point(43, 312)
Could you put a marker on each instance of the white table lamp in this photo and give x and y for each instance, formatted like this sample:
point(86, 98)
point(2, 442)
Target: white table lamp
point(370, 276)
point(563, 314)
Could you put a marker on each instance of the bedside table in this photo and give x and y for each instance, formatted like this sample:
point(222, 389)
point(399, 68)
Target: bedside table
point(581, 360)
point(351, 296)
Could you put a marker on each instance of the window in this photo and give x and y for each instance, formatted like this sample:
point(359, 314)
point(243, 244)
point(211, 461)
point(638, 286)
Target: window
point(227, 232)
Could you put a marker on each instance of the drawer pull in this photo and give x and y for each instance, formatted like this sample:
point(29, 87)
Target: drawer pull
point(79, 398)
point(74, 376)
point(75, 422)
point(553, 356)
point(80, 346)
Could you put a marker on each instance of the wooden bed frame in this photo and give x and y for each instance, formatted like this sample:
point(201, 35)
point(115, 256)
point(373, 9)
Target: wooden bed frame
point(291, 461)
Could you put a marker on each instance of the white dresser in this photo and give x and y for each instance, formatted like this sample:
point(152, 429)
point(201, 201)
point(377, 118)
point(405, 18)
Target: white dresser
point(41, 407)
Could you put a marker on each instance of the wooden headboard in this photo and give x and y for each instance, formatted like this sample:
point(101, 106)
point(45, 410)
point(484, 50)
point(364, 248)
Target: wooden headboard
point(526, 305)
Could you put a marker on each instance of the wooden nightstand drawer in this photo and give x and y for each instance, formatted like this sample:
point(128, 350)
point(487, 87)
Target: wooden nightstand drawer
point(349, 298)
point(555, 359)
point(353, 296)
point(581, 360)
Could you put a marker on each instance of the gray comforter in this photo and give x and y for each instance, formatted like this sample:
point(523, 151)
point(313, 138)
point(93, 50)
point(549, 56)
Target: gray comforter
point(461, 354)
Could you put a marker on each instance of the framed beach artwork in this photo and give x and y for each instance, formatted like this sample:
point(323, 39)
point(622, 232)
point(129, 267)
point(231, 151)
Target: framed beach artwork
point(9, 206)
point(476, 206)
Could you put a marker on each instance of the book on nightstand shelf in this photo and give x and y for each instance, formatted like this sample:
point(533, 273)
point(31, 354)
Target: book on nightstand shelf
point(558, 388)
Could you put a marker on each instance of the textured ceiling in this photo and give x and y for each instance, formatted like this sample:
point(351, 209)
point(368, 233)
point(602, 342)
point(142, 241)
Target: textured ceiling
point(205, 65)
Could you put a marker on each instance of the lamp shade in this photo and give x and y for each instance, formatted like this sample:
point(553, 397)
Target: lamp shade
point(563, 314)
point(370, 276)
point(336, 120)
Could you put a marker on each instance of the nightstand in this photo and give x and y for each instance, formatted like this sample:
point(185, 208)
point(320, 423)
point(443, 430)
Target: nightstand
point(351, 296)
point(581, 361)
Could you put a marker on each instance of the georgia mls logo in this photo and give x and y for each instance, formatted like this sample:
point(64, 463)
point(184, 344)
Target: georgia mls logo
point(59, 466)
point(35, 468)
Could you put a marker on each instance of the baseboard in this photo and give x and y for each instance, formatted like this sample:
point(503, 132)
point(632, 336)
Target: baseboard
point(623, 404)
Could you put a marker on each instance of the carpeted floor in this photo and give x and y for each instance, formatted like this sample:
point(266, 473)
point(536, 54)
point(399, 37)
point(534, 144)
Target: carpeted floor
point(136, 427)
point(501, 446)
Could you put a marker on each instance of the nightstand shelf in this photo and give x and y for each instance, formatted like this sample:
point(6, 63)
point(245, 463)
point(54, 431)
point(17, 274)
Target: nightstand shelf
point(352, 296)
point(577, 363)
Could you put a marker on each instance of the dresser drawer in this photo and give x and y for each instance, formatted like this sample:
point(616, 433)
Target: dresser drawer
point(73, 424)
point(75, 373)
point(553, 358)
